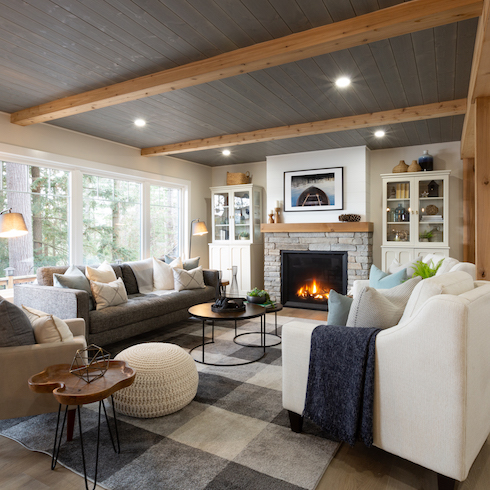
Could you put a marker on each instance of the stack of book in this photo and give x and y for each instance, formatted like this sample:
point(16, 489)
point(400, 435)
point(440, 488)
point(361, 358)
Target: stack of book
point(432, 217)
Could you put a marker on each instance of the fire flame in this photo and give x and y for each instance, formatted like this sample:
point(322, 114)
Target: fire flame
point(313, 291)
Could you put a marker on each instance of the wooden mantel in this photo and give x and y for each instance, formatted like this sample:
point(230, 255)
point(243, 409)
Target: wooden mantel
point(340, 227)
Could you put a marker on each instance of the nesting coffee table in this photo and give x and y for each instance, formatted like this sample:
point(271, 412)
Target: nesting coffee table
point(204, 313)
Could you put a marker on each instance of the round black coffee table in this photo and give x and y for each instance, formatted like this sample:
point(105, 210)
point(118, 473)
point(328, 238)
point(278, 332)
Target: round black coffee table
point(272, 309)
point(204, 313)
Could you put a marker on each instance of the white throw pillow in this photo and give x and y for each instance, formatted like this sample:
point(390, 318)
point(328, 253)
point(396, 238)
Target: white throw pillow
point(396, 267)
point(47, 328)
point(163, 275)
point(380, 308)
point(109, 294)
point(193, 279)
point(451, 283)
point(447, 264)
point(103, 273)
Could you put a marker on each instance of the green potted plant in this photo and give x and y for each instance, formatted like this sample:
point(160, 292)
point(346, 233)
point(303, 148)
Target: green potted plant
point(259, 296)
point(426, 236)
point(244, 235)
point(426, 270)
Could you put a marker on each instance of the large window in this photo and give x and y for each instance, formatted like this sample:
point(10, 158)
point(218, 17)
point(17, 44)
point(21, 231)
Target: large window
point(165, 220)
point(41, 195)
point(111, 220)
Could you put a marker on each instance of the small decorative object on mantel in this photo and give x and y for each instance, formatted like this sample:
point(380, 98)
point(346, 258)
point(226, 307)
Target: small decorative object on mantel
point(271, 217)
point(277, 210)
point(401, 167)
point(91, 363)
point(414, 167)
point(350, 217)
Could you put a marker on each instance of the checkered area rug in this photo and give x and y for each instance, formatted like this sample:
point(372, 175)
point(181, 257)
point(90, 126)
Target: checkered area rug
point(233, 435)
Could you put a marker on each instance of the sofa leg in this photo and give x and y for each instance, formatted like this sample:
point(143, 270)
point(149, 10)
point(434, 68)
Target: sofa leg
point(295, 421)
point(445, 483)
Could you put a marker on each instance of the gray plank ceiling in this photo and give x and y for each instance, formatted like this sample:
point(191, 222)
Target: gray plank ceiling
point(54, 48)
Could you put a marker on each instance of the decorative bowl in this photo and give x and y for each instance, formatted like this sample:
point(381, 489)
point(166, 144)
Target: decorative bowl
point(256, 299)
point(350, 217)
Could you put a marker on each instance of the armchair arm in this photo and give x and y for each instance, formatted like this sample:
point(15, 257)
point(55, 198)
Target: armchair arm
point(18, 364)
point(211, 277)
point(61, 302)
point(77, 327)
point(358, 285)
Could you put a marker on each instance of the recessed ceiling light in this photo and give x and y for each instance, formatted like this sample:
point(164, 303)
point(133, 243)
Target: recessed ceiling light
point(379, 134)
point(226, 153)
point(342, 82)
point(140, 122)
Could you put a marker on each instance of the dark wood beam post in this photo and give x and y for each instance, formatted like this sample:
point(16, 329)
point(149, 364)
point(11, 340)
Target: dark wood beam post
point(469, 210)
point(482, 187)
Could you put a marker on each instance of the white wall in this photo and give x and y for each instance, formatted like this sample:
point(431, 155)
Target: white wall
point(63, 146)
point(446, 157)
point(356, 184)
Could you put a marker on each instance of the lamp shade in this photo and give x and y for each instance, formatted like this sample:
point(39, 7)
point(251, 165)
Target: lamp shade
point(199, 228)
point(12, 225)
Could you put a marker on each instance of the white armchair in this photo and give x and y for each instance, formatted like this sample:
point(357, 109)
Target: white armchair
point(432, 382)
point(18, 364)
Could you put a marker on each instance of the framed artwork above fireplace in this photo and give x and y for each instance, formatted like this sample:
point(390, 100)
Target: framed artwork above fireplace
point(314, 190)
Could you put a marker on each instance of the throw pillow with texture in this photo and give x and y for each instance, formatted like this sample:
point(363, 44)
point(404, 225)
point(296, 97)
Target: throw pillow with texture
point(15, 327)
point(187, 264)
point(109, 293)
point(338, 308)
point(163, 275)
point(74, 278)
point(103, 273)
point(193, 279)
point(380, 308)
point(382, 280)
point(397, 267)
point(47, 328)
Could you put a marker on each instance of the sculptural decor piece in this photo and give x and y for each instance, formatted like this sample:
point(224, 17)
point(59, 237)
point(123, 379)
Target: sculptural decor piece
point(314, 190)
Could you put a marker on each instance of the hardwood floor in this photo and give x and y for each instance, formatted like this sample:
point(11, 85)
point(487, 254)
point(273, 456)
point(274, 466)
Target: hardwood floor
point(356, 468)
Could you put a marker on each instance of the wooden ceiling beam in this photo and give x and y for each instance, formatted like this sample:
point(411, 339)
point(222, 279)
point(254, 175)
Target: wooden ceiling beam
point(415, 113)
point(403, 18)
point(479, 80)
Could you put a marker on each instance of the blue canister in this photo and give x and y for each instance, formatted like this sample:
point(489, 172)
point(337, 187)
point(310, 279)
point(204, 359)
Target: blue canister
point(426, 161)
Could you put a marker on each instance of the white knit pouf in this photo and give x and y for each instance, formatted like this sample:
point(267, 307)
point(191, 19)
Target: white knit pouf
point(166, 380)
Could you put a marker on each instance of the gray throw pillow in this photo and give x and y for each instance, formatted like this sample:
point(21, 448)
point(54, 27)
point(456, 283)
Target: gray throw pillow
point(15, 327)
point(338, 308)
point(189, 264)
point(74, 278)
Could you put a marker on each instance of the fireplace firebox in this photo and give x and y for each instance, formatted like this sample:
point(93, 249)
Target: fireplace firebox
point(308, 276)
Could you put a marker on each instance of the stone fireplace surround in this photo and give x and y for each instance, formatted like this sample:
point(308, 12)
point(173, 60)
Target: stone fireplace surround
point(354, 238)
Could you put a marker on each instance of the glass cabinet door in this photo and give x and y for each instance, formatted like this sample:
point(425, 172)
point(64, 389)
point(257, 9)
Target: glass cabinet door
point(431, 210)
point(241, 206)
point(398, 211)
point(221, 216)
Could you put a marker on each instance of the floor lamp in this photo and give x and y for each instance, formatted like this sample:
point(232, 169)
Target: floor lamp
point(12, 224)
point(197, 228)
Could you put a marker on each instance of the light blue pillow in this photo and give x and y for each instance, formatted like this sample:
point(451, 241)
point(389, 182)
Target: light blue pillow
point(188, 264)
point(338, 308)
point(383, 280)
point(74, 278)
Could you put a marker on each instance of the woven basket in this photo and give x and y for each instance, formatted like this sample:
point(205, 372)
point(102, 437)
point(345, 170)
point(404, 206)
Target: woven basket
point(414, 167)
point(431, 209)
point(235, 178)
point(350, 217)
point(401, 167)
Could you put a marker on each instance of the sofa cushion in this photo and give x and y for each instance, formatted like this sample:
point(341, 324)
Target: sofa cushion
point(103, 273)
point(338, 308)
point(130, 282)
point(192, 279)
point(163, 274)
point(187, 264)
point(380, 308)
point(109, 294)
point(451, 283)
point(382, 280)
point(142, 307)
point(447, 264)
point(15, 327)
point(74, 278)
point(47, 328)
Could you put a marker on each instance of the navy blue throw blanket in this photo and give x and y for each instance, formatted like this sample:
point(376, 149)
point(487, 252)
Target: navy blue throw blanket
point(340, 392)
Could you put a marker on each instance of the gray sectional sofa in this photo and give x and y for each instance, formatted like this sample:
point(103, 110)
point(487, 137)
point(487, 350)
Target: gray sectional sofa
point(142, 313)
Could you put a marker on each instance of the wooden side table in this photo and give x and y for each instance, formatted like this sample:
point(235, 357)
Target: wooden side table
point(69, 389)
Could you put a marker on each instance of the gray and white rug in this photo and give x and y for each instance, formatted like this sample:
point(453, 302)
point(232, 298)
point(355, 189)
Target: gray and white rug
point(234, 435)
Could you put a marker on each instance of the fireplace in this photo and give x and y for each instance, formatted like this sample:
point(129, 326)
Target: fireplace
point(308, 276)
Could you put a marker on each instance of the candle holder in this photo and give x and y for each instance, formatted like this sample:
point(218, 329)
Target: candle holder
point(271, 217)
point(276, 214)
